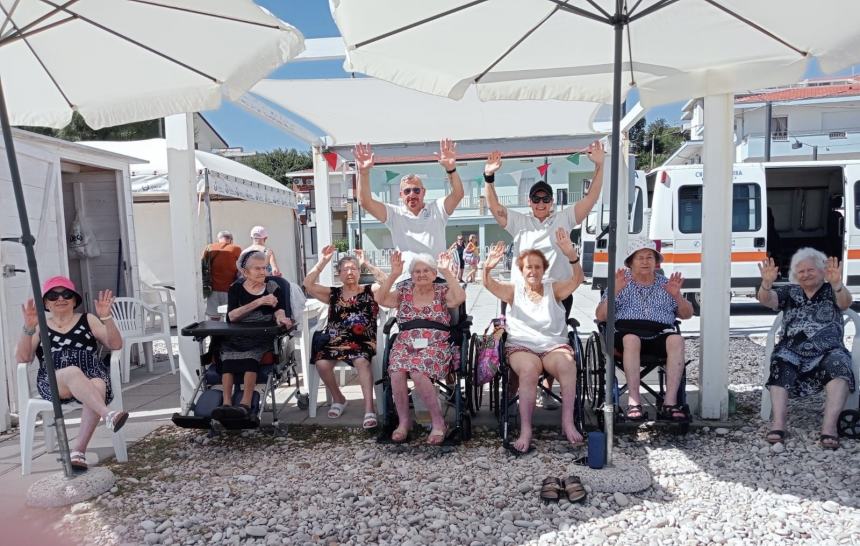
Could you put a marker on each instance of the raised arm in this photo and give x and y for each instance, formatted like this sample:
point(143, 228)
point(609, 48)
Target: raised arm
point(499, 212)
point(448, 159)
point(377, 273)
point(25, 350)
point(673, 287)
point(564, 288)
point(833, 275)
point(385, 296)
point(363, 162)
point(620, 282)
point(276, 271)
point(766, 295)
point(456, 295)
point(102, 324)
point(502, 290)
point(582, 207)
point(311, 282)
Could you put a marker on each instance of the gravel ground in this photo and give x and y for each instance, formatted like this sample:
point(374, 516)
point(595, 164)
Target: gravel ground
point(337, 486)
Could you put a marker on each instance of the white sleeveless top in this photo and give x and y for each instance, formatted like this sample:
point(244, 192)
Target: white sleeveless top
point(538, 326)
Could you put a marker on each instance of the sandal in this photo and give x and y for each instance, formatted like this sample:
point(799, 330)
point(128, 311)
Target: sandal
point(516, 452)
point(573, 489)
point(828, 441)
point(775, 436)
point(115, 420)
point(79, 461)
point(435, 438)
point(369, 421)
point(223, 412)
point(636, 413)
point(675, 413)
point(336, 409)
point(399, 436)
point(550, 490)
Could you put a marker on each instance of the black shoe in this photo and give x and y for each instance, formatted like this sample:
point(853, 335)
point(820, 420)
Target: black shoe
point(228, 412)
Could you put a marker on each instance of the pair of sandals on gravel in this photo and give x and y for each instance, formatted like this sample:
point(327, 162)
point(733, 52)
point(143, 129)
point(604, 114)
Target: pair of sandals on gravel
point(552, 489)
point(826, 441)
point(369, 421)
point(114, 421)
point(675, 413)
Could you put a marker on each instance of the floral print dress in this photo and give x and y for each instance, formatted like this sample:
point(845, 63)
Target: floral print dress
point(410, 356)
point(351, 327)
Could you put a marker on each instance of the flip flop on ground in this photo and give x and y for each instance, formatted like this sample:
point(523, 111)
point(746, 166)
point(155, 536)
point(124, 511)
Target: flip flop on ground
point(369, 421)
point(775, 436)
point(828, 441)
point(550, 490)
point(337, 409)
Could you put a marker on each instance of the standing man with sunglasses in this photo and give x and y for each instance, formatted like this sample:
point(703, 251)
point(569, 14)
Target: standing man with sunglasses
point(416, 227)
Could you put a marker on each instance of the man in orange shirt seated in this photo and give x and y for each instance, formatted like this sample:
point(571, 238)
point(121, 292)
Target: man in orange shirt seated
point(222, 257)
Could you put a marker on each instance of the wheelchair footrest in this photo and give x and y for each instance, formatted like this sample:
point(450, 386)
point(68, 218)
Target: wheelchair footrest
point(240, 424)
point(191, 421)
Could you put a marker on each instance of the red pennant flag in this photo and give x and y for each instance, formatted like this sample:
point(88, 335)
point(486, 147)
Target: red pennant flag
point(331, 159)
point(542, 169)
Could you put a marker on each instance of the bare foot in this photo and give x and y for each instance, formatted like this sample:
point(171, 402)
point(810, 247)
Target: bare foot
point(573, 436)
point(437, 436)
point(523, 442)
point(400, 434)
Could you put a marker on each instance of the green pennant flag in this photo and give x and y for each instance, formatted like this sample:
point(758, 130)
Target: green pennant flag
point(573, 158)
point(390, 175)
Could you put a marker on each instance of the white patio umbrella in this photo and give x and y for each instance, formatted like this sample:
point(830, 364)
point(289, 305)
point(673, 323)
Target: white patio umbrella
point(120, 61)
point(583, 50)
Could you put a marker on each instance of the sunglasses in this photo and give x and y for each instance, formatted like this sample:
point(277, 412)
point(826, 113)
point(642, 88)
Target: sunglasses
point(407, 191)
point(65, 294)
point(541, 199)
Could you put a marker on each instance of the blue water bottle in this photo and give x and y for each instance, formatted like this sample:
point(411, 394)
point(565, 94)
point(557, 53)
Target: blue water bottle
point(596, 449)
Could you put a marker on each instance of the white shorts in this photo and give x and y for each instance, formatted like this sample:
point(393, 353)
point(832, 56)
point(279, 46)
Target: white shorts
point(214, 300)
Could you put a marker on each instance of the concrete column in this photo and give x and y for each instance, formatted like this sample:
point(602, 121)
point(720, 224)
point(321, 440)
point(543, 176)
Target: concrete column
point(182, 177)
point(716, 255)
point(322, 214)
point(482, 239)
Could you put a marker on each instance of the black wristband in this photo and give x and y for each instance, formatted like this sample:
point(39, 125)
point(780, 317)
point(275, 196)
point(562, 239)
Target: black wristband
point(575, 261)
point(452, 171)
point(489, 178)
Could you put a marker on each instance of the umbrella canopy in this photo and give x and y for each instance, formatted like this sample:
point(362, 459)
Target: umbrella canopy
point(555, 49)
point(123, 61)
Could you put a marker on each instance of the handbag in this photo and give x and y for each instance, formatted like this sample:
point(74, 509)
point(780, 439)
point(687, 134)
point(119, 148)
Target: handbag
point(318, 341)
point(488, 352)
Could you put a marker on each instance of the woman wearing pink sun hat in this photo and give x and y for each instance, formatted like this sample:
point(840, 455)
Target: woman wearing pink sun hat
point(75, 337)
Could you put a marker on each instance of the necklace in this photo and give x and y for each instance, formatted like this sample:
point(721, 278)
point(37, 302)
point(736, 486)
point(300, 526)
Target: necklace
point(534, 296)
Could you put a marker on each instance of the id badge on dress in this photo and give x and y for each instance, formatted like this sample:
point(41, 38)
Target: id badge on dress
point(420, 343)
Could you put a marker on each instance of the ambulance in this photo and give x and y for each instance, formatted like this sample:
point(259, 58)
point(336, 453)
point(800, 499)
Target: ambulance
point(776, 209)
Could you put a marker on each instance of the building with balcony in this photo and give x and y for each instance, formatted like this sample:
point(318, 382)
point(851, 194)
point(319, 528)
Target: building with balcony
point(813, 119)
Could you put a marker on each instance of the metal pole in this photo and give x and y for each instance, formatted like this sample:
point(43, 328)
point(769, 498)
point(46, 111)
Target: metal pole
point(815, 153)
point(609, 405)
point(29, 241)
point(208, 204)
point(768, 114)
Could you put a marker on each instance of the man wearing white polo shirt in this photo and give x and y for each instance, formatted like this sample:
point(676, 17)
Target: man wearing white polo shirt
point(416, 227)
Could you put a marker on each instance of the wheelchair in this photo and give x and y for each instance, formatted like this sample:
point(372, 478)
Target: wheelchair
point(594, 381)
point(454, 388)
point(276, 367)
point(502, 400)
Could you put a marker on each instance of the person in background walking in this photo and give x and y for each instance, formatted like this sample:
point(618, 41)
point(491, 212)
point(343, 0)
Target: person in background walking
point(259, 235)
point(471, 256)
point(221, 258)
point(459, 247)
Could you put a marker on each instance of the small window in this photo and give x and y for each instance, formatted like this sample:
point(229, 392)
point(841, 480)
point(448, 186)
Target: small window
point(636, 212)
point(779, 128)
point(690, 209)
point(746, 208)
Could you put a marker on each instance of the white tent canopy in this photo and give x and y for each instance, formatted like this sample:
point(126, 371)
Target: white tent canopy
point(370, 110)
point(225, 176)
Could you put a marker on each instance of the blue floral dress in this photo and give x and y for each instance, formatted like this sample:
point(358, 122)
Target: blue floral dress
point(810, 353)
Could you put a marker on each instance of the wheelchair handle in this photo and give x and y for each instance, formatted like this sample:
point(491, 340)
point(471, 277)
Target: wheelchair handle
point(388, 325)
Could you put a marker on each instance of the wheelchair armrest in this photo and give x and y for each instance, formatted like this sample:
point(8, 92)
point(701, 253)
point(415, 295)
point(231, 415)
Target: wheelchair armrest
point(572, 322)
point(467, 321)
point(388, 324)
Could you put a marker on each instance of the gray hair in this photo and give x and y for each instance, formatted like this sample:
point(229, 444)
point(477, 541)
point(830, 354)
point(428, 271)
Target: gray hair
point(224, 234)
point(249, 255)
point(424, 259)
point(344, 260)
point(803, 254)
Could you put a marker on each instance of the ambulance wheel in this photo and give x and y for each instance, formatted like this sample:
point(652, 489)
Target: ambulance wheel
point(695, 299)
point(303, 401)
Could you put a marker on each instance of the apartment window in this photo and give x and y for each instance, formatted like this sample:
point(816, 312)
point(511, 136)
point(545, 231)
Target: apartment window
point(779, 127)
point(746, 208)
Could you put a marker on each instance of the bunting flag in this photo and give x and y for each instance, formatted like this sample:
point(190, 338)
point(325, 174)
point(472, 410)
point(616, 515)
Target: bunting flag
point(390, 175)
point(574, 158)
point(542, 169)
point(331, 158)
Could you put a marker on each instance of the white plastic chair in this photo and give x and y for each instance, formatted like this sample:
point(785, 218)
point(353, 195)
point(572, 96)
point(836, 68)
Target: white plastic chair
point(850, 403)
point(313, 377)
point(160, 296)
point(132, 317)
point(30, 408)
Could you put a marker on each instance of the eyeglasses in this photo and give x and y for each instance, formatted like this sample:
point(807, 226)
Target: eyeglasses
point(541, 199)
point(407, 191)
point(65, 294)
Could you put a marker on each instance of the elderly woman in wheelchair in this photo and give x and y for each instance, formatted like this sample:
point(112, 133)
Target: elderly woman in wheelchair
point(810, 356)
point(647, 306)
point(421, 351)
point(537, 331)
point(253, 299)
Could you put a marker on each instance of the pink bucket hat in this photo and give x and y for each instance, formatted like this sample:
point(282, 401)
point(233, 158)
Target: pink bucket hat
point(61, 282)
point(259, 232)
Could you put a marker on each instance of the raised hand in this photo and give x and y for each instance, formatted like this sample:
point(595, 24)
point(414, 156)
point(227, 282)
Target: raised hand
point(596, 153)
point(620, 280)
point(673, 287)
point(769, 272)
point(497, 252)
point(396, 264)
point(833, 272)
point(103, 303)
point(362, 259)
point(565, 244)
point(447, 155)
point(493, 164)
point(444, 262)
point(28, 310)
point(327, 252)
point(363, 155)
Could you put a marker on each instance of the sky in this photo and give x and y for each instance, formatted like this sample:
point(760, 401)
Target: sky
point(313, 19)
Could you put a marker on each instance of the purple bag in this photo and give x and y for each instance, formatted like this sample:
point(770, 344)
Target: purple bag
point(488, 352)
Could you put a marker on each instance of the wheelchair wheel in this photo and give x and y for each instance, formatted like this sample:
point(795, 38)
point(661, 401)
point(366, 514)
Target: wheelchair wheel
point(848, 424)
point(469, 375)
point(595, 370)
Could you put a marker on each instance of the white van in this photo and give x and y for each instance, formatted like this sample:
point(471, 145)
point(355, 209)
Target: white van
point(777, 208)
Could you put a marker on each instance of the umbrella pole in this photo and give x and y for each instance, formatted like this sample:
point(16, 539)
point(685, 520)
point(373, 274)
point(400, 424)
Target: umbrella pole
point(29, 241)
point(609, 402)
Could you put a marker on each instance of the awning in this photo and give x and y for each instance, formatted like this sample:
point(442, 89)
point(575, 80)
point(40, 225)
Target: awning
point(369, 110)
point(226, 177)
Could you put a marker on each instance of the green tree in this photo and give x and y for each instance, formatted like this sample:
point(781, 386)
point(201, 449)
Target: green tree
point(277, 163)
point(79, 130)
point(666, 140)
